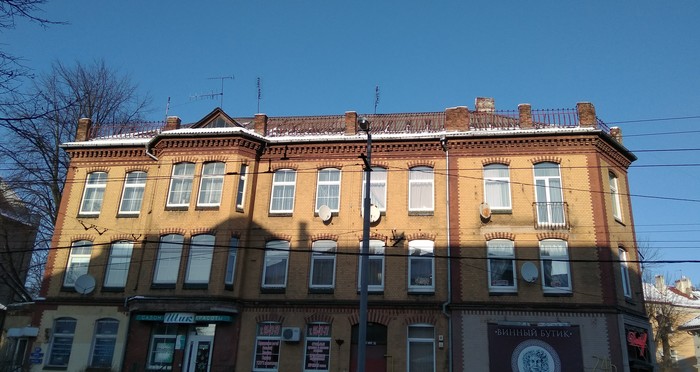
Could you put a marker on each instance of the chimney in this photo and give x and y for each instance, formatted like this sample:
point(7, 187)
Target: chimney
point(660, 284)
point(260, 123)
point(83, 131)
point(616, 133)
point(586, 114)
point(485, 104)
point(684, 285)
point(350, 123)
point(457, 119)
point(172, 123)
point(525, 115)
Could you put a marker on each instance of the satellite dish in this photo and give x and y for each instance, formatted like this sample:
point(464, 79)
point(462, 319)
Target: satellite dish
point(85, 284)
point(324, 212)
point(374, 213)
point(485, 211)
point(529, 272)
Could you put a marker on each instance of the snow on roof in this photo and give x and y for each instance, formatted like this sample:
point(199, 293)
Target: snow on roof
point(669, 295)
point(691, 324)
point(3, 307)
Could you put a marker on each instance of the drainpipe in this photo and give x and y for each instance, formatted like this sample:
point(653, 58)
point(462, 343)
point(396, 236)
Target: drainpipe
point(148, 149)
point(443, 144)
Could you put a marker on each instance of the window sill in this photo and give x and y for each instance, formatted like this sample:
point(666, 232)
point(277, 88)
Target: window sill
point(270, 290)
point(112, 289)
point(321, 290)
point(82, 215)
point(68, 289)
point(414, 292)
point(618, 220)
point(421, 213)
point(163, 286)
point(279, 214)
point(501, 211)
point(177, 209)
point(207, 208)
point(129, 215)
point(503, 293)
point(568, 293)
point(195, 286)
point(373, 292)
point(49, 368)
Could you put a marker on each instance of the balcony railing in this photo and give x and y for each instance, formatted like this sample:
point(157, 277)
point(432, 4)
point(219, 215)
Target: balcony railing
point(551, 215)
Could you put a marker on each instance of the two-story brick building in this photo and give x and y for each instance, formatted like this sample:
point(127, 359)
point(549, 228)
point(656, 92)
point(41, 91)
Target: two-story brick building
point(496, 238)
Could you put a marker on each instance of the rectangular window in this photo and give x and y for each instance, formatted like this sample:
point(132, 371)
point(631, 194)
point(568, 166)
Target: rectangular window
point(501, 265)
point(276, 264)
point(211, 185)
point(61, 342)
point(118, 265)
point(283, 186)
point(162, 347)
point(328, 189)
point(168, 260)
point(317, 355)
point(421, 348)
point(377, 187)
point(556, 277)
point(548, 195)
point(132, 195)
point(199, 260)
point(375, 267)
point(78, 262)
point(94, 193)
point(322, 264)
point(615, 196)
point(497, 187)
point(104, 340)
point(242, 181)
point(624, 272)
point(267, 347)
point(231, 261)
point(420, 189)
point(421, 266)
point(181, 185)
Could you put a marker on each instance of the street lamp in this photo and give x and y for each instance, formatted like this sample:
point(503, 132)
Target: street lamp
point(364, 253)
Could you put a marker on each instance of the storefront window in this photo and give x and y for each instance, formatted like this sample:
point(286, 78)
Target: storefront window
point(162, 347)
point(318, 347)
point(267, 347)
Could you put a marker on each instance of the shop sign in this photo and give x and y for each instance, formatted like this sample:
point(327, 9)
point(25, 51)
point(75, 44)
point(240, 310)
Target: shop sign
point(638, 340)
point(185, 318)
point(534, 348)
point(317, 355)
point(267, 354)
point(180, 318)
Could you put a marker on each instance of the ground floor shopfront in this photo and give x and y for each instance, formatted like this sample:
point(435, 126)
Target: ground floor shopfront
point(551, 341)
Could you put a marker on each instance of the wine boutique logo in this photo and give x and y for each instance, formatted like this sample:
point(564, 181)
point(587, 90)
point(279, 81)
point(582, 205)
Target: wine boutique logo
point(535, 356)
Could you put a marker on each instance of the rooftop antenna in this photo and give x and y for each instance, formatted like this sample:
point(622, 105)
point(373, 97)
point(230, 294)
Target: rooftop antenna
point(221, 93)
point(167, 108)
point(259, 92)
point(376, 98)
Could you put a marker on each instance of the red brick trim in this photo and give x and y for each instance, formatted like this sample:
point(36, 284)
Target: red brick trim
point(552, 235)
point(499, 235)
point(421, 236)
point(319, 318)
point(546, 159)
point(494, 160)
point(270, 317)
point(324, 236)
point(420, 319)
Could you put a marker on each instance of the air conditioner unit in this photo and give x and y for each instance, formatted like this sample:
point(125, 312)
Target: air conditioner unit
point(291, 334)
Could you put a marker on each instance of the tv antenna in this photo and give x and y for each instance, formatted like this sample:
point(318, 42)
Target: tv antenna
point(376, 98)
point(213, 95)
point(222, 78)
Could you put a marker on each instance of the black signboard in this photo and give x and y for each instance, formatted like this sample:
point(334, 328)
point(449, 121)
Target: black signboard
point(318, 354)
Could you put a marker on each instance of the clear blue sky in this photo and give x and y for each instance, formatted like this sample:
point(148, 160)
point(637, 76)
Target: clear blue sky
point(634, 60)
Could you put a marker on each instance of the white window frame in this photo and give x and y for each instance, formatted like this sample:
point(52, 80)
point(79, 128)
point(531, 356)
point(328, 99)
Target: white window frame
point(163, 334)
point(64, 334)
point(132, 194)
point(549, 195)
point(624, 272)
point(78, 262)
point(501, 256)
point(276, 251)
point(117, 270)
point(377, 187)
point(283, 190)
point(558, 262)
point(181, 180)
point(328, 189)
point(497, 187)
point(106, 338)
point(199, 259)
point(615, 196)
point(376, 254)
point(273, 336)
point(93, 195)
point(418, 178)
point(318, 336)
point(169, 249)
point(415, 339)
point(211, 185)
point(231, 261)
point(322, 251)
point(242, 184)
point(421, 252)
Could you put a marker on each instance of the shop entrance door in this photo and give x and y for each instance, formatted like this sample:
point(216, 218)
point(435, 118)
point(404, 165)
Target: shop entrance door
point(198, 357)
point(375, 353)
